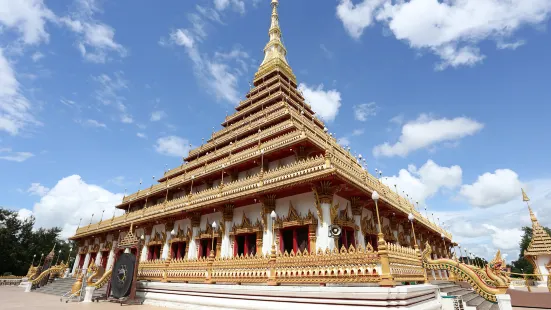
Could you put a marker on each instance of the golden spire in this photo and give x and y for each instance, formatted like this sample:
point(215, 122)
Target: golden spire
point(275, 52)
point(525, 198)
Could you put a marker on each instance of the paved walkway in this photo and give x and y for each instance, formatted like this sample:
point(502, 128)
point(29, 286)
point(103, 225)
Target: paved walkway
point(13, 297)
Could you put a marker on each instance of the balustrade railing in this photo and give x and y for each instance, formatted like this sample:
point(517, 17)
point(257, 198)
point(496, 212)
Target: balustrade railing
point(344, 266)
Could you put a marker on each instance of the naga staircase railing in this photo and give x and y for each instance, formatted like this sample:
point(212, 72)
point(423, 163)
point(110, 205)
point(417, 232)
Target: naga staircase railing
point(499, 282)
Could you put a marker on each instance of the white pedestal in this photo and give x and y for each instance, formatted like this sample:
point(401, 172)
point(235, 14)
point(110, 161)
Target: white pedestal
point(504, 302)
point(89, 293)
point(28, 287)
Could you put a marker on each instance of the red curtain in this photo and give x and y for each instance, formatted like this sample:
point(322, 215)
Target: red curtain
point(104, 257)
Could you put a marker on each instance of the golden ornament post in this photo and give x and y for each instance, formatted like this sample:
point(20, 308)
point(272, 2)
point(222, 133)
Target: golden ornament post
point(386, 277)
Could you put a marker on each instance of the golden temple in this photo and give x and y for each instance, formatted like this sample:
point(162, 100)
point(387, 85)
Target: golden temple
point(264, 192)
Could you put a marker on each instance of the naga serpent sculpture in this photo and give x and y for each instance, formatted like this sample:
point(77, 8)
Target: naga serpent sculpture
point(467, 274)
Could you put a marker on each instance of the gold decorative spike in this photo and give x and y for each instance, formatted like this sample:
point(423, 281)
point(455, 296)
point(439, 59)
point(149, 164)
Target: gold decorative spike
point(275, 52)
point(524, 196)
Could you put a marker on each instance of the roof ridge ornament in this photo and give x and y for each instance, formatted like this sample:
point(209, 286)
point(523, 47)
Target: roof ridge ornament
point(275, 52)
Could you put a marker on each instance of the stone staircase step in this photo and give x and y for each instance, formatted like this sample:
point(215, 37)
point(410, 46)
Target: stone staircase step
point(451, 289)
point(470, 296)
point(475, 301)
point(494, 307)
point(485, 305)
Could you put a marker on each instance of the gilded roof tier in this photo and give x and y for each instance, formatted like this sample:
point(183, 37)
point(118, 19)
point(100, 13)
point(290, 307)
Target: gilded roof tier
point(541, 241)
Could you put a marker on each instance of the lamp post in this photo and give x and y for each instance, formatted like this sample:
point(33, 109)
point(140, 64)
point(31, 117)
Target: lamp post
point(58, 255)
point(69, 254)
point(212, 248)
point(271, 272)
point(411, 218)
point(32, 263)
point(460, 254)
point(444, 241)
point(41, 256)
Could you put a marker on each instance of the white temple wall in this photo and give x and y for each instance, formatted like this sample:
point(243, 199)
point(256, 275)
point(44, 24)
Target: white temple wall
point(343, 204)
point(301, 202)
point(541, 262)
point(216, 216)
point(251, 211)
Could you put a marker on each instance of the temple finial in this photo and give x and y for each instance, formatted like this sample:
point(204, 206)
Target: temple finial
point(525, 198)
point(275, 52)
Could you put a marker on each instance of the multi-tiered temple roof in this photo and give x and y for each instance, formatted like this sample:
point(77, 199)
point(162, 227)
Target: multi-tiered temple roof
point(246, 161)
point(541, 241)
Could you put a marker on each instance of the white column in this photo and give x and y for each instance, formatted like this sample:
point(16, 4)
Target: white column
point(541, 261)
point(360, 240)
point(75, 264)
point(323, 240)
point(98, 258)
point(166, 246)
point(86, 261)
point(226, 244)
point(192, 253)
point(111, 259)
point(267, 236)
point(143, 257)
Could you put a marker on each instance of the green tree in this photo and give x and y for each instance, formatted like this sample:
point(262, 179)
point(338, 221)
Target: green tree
point(19, 243)
point(522, 265)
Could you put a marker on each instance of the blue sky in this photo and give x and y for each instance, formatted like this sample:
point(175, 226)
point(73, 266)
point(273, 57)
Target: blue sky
point(97, 95)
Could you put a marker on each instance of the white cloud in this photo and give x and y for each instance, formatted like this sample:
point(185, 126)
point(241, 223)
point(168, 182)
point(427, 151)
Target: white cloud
point(237, 5)
point(505, 239)
point(28, 18)
point(92, 123)
point(511, 46)
point(425, 132)
point(221, 72)
point(95, 39)
point(141, 135)
point(364, 110)
point(492, 188)
point(182, 37)
point(15, 109)
point(23, 214)
point(426, 181)
point(450, 29)
point(109, 93)
point(38, 189)
point(157, 116)
point(357, 17)
point(8, 154)
point(172, 146)
point(37, 56)
point(72, 199)
point(325, 103)
point(328, 54)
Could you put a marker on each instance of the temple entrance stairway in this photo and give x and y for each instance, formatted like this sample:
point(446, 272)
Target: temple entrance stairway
point(61, 286)
point(469, 297)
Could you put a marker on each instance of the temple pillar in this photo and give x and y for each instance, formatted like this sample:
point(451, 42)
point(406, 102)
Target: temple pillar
point(324, 202)
point(357, 208)
point(86, 261)
point(111, 259)
point(195, 222)
point(268, 205)
point(75, 264)
point(145, 249)
point(169, 226)
point(98, 258)
point(227, 217)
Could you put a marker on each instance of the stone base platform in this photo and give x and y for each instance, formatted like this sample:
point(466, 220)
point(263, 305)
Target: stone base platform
point(254, 297)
